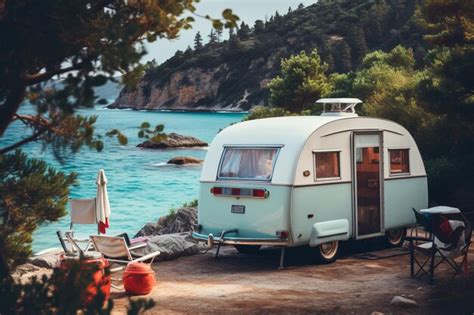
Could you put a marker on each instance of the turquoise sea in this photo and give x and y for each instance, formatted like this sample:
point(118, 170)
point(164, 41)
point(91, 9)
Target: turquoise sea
point(141, 186)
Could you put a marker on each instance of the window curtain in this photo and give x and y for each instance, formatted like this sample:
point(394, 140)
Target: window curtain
point(248, 163)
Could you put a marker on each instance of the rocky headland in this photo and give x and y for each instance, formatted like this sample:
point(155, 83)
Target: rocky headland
point(233, 74)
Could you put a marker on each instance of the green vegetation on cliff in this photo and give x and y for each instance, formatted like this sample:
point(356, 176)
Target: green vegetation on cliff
point(342, 31)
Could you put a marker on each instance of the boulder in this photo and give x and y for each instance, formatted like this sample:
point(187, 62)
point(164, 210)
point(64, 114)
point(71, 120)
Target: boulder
point(25, 272)
point(49, 260)
point(181, 160)
point(174, 140)
point(182, 221)
point(171, 246)
point(402, 301)
point(148, 229)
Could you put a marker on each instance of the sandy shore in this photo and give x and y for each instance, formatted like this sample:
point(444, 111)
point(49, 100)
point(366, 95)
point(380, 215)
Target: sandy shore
point(238, 283)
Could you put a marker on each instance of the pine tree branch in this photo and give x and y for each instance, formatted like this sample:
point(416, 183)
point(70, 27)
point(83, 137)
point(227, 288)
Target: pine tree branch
point(40, 122)
point(11, 105)
point(41, 77)
point(16, 145)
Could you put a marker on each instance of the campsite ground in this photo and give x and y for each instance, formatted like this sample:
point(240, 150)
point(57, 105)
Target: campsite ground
point(239, 283)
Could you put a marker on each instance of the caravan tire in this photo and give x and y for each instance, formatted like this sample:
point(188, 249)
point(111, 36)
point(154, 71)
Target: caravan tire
point(247, 249)
point(396, 237)
point(328, 252)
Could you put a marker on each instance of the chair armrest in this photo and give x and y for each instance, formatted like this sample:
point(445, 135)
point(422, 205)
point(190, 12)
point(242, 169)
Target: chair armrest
point(149, 256)
point(417, 238)
point(141, 245)
point(82, 240)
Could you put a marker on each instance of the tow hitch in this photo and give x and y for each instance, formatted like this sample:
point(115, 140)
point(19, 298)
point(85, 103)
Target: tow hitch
point(210, 240)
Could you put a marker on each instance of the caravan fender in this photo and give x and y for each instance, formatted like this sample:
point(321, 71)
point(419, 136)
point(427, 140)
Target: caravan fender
point(328, 231)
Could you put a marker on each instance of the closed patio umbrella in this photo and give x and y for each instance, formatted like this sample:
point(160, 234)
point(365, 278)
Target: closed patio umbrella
point(102, 205)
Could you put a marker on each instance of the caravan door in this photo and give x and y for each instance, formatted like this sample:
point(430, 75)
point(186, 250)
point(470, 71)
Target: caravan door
point(368, 184)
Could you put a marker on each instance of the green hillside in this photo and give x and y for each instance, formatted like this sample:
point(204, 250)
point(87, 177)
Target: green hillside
point(343, 32)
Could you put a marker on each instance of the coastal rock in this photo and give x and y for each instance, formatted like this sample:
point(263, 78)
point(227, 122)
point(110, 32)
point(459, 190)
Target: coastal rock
point(25, 272)
point(182, 221)
point(49, 261)
point(171, 246)
point(148, 229)
point(401, 301)
point(174, 140)
point(181, 160)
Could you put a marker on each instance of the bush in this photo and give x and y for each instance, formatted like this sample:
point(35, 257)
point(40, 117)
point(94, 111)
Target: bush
point(61, 293)
point(266, 112)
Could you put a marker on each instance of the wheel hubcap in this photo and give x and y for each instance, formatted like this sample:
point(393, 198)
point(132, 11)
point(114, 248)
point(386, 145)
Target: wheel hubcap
point(328, 250)
point(395, 236)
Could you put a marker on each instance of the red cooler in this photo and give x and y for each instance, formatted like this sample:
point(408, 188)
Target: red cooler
point(138, 279)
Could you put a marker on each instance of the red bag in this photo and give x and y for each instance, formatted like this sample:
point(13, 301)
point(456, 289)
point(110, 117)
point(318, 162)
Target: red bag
point(445, 228)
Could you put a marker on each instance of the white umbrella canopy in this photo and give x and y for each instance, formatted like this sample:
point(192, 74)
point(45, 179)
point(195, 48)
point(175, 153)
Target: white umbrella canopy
point(102, 205)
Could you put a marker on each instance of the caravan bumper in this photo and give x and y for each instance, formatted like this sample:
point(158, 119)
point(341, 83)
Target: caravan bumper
point(229, 240)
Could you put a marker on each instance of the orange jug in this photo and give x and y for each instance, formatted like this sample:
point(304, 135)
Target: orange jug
point(138, 278)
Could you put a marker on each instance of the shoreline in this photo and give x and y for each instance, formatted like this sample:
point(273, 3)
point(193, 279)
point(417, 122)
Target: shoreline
point(179, 110)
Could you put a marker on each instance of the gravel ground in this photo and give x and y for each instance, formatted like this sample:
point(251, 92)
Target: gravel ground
point(240, 283)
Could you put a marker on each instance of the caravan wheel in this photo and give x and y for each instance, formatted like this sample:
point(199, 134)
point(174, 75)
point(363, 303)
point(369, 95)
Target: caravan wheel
point(395, 237)
point(327, 252)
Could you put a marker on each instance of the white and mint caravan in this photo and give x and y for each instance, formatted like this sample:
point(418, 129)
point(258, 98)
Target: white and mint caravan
point(316, 180)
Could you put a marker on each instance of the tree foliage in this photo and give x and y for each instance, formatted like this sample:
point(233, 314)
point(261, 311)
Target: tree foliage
point(302, 82)
point(198, 41)
point(447, 22)
point(31, 193)
point(259, 112)
point(155, 135)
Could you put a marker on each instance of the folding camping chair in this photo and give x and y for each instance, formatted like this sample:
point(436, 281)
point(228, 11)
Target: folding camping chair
point(82, 211)
point(448, 238)
point(115, 249)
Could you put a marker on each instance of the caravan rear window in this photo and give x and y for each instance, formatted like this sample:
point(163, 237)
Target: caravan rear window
point(248, 163)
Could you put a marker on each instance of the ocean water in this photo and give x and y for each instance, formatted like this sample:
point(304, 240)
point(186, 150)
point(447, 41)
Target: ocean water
point(141, 186)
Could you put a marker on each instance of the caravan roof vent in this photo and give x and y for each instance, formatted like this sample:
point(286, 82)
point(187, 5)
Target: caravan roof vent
point(339, 106)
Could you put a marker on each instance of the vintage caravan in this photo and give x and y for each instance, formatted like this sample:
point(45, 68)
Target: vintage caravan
point(316, 180)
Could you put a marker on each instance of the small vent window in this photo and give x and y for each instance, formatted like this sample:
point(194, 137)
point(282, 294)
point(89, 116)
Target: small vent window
point(399, 161)
point(327, 165)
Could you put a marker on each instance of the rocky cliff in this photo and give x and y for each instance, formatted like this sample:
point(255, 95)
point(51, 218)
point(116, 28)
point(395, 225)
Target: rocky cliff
point(233, 74)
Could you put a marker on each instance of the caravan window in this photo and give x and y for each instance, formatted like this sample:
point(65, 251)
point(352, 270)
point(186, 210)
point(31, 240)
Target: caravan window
point(399, 161)
point(327, 165)
point(248, 163)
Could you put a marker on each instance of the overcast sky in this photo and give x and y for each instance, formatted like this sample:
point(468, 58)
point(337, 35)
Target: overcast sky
point(247, 10)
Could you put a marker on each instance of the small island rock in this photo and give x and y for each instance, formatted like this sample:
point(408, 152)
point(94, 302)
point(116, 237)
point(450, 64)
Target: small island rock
point(173, 140)
point(181, 160)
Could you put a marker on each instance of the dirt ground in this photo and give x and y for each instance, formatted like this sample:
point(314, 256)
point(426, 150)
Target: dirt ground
point(242, 283)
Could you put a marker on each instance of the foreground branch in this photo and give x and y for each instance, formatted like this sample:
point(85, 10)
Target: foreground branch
point(11, 105)
point(18, 144)
point(41, 77)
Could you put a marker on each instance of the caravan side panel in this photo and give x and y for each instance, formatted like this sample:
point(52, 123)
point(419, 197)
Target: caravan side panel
point(401, 195)
point(317, 204)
